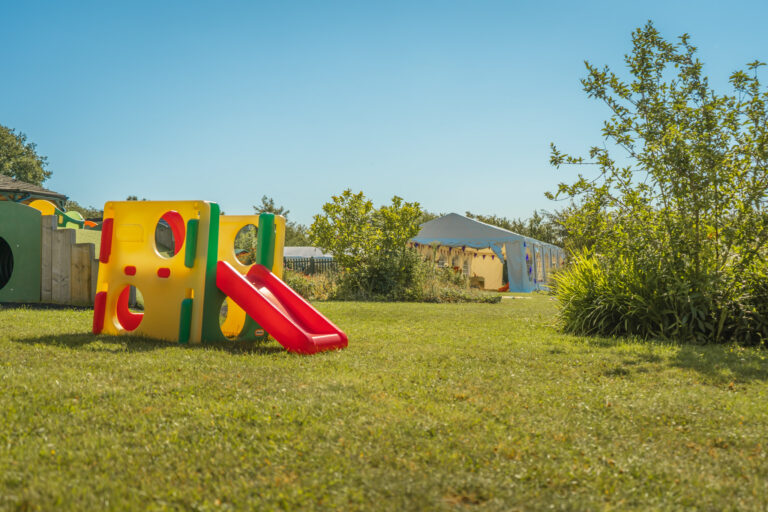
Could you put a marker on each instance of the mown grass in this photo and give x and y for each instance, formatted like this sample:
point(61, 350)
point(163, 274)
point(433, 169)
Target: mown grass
point(432, 406)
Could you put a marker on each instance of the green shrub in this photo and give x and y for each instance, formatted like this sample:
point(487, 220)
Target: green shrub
point(320, 286)
point(418, 281)
point(414, 280)
point(750, 309)
point(615, 297)
point(677, 225)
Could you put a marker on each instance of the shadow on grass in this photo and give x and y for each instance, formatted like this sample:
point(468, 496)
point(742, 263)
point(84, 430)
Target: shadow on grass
point(720, 363)
point(723, 363)
point(98, 343)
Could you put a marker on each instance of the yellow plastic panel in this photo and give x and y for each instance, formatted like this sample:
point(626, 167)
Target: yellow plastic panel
point(133, 245)
point(277, 263)
point(45, 207)
point(229, 226)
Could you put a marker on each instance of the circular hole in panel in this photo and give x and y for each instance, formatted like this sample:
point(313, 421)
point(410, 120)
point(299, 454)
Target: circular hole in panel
point(245, 244)
point(6, 263)
point(130, 308)
point(231, 319)
point(169, 234)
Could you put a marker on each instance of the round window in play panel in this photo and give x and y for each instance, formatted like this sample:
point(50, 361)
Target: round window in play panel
point(231, 319)
point(169, 234)
point(6, 263)
point(130, 308)
point(245, 244)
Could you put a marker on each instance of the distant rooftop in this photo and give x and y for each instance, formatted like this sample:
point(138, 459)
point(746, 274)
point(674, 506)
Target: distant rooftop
point(304, 252)
point(10, 186)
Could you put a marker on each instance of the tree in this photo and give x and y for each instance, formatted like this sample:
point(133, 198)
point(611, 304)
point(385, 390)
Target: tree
point(369, 244)
point(346, 229)
point(680, 217)
point(268, 206)
point(19, 158)
point(295, 234)
point(427, 216)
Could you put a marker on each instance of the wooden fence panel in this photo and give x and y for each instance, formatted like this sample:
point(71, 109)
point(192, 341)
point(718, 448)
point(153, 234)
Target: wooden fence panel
point(61, 264)
point(80, 274)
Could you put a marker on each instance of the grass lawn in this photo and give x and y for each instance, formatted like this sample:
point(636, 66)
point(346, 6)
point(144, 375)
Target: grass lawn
point(453, 406)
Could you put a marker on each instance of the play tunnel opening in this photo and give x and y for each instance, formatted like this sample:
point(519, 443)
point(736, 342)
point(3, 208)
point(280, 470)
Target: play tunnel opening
point(234, 323)
point(130, 308)
point(169, 234)
point(6, 263)
point(245, 244)
point(231, 319)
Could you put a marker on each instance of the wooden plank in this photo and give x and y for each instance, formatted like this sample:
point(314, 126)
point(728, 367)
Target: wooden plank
point(80, 274)
point(48, 228)
point(61, 256)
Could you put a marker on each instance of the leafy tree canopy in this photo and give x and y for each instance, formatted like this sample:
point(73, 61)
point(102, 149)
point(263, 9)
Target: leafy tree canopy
point(362, 237)
point(19, 158)
point(295, 234)
point(268, 206)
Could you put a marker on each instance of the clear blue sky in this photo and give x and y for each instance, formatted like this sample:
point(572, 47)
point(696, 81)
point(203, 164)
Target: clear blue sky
point(449, 103)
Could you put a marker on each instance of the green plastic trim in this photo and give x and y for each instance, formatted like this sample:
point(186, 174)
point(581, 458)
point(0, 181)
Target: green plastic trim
point(64, 218)
point(189, 254)
point(185, 321)
point(265, 240)
point(211, 332)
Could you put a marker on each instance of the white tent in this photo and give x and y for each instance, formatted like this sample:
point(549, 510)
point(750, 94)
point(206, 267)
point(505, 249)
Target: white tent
point(529, 261)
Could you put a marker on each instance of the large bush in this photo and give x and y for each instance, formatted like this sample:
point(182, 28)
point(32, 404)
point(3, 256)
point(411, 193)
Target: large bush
point(677, 225)
point(427, 283)
point(370, 246)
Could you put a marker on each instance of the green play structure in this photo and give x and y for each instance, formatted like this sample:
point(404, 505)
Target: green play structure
point(20, 252)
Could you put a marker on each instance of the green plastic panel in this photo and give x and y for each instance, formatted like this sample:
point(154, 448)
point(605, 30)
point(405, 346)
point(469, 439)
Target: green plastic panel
point(185, 321)
point(265, 242)
point(265, 247)
point(20, 255)
point(189, 254)
point(211, 331)
point(265, 254)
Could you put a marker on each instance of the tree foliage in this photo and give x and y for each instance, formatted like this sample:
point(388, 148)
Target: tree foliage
point(295, 234)
point(678, 202)
point(369, 244)
point(268, 206)
point(19, 158)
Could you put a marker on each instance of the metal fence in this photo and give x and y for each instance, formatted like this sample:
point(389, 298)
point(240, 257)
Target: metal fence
point(310, 266)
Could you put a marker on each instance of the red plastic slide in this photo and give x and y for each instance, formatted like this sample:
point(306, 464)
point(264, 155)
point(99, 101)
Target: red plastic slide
point(282, 312)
